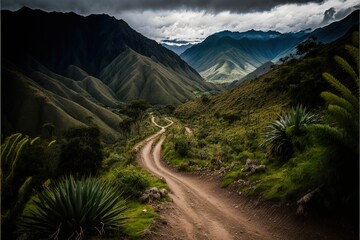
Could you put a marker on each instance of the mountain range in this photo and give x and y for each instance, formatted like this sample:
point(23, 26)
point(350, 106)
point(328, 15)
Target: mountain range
point(71, 70)
point(178, 49)
point(66, 69)
point(228, 56)
point(298, 81)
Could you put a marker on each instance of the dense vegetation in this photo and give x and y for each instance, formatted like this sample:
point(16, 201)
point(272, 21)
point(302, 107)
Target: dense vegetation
point(73, 209)
point(73, 185)
point(290, 132)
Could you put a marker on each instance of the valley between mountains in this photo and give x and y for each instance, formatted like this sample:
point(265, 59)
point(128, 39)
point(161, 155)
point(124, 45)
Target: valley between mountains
point(107, 134)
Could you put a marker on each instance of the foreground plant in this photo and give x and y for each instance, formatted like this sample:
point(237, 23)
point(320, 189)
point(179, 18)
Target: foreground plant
point(279, 134)
point(74, 209)
point(342, 113)
point(340, 132)
point(11, 150)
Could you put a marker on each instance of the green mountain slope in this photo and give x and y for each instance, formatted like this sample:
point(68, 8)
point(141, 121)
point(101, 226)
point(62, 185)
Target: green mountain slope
point(232, 130)
point(75, 46)
point(225, 59)
point(38, 99)
point(83, 66)
point(228, 56)
point(90, 43)
point(296, 81)
point(131, 75)
point(266, 67)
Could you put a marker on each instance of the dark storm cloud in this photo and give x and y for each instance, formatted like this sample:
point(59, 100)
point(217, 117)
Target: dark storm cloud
point(91, 6)
point(329, 15)
point(194, 20)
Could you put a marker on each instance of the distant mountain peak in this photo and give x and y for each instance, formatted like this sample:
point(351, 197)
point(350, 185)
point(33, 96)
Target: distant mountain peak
point(63, 67)
point(25, 8)
point(228, 56)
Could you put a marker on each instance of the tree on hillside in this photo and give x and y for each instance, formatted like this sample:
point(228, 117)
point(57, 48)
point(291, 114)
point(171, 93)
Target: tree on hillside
point(81, 151)
point(307, 45)
point(135, 110)
point(125, 126)
point(205, 98)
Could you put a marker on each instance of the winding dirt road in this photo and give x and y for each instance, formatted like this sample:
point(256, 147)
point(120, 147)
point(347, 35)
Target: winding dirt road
point(202, 214)
point(201, 210)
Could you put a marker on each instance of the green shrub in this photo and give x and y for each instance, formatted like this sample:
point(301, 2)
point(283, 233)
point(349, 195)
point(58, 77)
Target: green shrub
point(40, 159)
point(132, 182)
point(74, 209)
point(136, 108)
point(231, 117)
point(25, 164)
point(182, 147)
point(307, 45)
point(202, 133)
point(205, 98)
point(183, 167)
point(280, 133)
point(81, 151)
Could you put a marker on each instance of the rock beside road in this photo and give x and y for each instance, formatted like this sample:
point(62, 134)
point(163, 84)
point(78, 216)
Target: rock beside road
point(251, 167)
point(153, 194)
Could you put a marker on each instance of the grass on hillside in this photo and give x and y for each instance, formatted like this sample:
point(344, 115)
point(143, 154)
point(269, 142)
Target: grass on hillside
point(123, 158)
point(230, 127)
point(236, 142)
point(140, 218)
point(121, 170)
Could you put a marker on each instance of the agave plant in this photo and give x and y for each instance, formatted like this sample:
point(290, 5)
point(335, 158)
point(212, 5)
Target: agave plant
point(278, 135)
point(74, 209)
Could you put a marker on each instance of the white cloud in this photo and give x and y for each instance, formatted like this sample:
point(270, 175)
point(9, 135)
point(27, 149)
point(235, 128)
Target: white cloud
point(191, 25)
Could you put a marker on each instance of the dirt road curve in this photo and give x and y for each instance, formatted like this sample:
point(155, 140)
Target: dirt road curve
point(202, 215)
point(200, 210)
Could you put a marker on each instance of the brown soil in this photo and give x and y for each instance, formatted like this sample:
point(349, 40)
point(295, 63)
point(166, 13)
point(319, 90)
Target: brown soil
point(200, 209)
point(188, 130)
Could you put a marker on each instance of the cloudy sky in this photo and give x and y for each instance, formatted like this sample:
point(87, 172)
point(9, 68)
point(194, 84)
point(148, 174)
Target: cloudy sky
point(194, 20)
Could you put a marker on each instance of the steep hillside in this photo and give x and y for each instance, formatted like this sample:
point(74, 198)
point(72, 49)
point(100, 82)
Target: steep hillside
point(261, 124)
point(248, 96)
point(228, 56)
point(90, 43)
point(132, 75)
point(85, 65)
point(227, 59)
point(337, 29)
point(29, 102)
point(266, 67)
point(296, 81)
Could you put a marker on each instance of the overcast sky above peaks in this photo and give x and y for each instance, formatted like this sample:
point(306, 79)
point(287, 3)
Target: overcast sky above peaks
point(194, 20)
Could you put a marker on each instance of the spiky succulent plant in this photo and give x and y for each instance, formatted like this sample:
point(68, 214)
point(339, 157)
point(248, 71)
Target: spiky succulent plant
point(74, 209)
point(277, 135)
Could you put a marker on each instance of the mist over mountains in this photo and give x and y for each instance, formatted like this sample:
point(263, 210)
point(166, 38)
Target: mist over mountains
point(178, 49)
